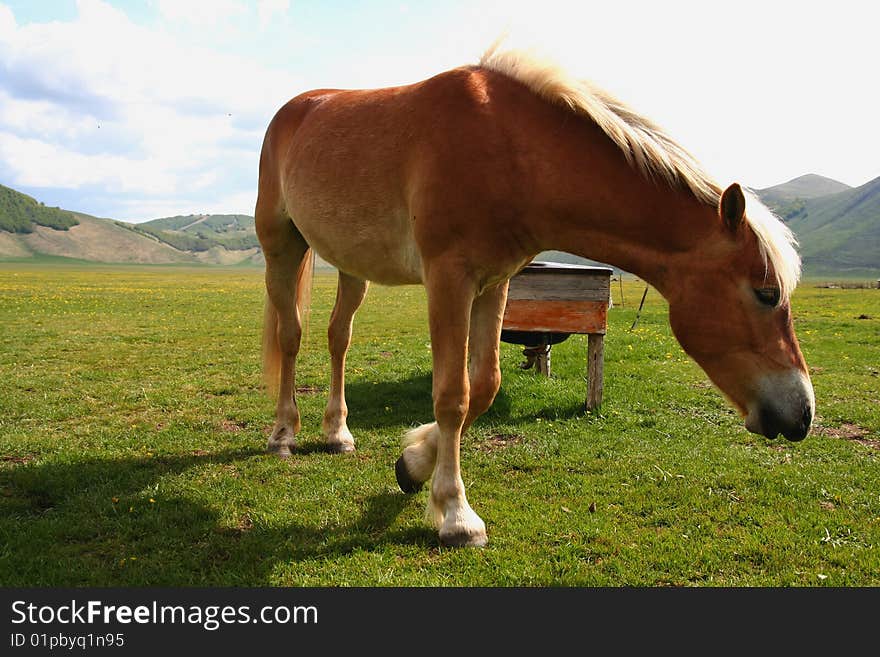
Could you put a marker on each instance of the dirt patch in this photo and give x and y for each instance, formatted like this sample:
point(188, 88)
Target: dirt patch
point(244, 523)
point(233, 425)
point(309, 390)
point(17, 460)
point(200, 452)
point(499, 441)
point(849, 431)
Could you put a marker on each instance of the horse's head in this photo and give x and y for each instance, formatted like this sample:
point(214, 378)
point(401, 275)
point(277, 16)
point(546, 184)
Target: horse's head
point(732, 314)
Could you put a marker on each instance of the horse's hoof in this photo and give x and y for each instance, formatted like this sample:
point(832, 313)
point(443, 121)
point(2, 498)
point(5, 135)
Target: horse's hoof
point(464, 539)
point(281, 449)
point(407, 484)
point(340, 448)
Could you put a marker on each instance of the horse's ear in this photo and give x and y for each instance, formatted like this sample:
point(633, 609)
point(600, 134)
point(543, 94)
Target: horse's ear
point(733, 207)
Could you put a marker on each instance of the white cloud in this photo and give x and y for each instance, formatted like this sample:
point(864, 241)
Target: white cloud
point(201, 12)
point(103, 102)
point(43, 164)
point(41, 118)
point(7, 21)
point(268, 9)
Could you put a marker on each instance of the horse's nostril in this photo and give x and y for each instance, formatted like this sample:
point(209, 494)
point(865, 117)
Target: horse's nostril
point(800, 431)
point(804, 428)
point(807, 417)
point(793, 428)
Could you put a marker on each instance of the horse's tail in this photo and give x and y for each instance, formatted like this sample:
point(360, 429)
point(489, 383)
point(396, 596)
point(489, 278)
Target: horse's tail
point(271, 345)
point(304, 290)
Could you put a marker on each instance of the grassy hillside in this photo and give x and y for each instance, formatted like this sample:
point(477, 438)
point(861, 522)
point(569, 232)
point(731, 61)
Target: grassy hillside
point(839, 232)
point(789, 198)
point(19, 213)
point(203, 232)
point(102, 240)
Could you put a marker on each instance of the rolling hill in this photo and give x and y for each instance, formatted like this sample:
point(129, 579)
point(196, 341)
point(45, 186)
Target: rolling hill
point(30, 230)
point(202, 232)
point(92, 239)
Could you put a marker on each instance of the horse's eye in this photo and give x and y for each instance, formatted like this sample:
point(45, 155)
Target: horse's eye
point(769, 296)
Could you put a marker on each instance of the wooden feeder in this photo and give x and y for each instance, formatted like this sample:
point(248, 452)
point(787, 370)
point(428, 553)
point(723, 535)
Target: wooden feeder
point(547, 302)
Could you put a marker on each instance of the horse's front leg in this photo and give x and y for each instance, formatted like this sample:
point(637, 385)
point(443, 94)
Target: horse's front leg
point(416, 464)
point(450, 296)
point(350, 293)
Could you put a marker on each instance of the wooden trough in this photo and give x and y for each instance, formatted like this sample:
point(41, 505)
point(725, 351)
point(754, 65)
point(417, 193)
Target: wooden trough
point(549, 301)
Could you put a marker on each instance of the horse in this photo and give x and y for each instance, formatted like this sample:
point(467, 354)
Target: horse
point(458, 181)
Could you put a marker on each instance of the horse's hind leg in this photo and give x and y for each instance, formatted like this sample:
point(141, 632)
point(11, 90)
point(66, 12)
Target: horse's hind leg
point(350, 293)
point(484, 371)
point(284, 249)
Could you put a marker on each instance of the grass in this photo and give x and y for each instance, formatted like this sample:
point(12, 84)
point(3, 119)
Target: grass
point(133, 427)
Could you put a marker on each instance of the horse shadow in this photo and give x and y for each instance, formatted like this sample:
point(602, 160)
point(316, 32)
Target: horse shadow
point(400, 402)
point(75, 523)
point(70, 524)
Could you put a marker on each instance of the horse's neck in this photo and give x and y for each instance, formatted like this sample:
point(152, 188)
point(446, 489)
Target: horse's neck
point(642, 227)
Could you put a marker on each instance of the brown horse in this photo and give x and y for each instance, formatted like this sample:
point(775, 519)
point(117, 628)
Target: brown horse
point(457, 182)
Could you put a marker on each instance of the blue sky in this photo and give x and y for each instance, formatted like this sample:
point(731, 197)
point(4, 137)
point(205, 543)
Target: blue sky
point(139, 109)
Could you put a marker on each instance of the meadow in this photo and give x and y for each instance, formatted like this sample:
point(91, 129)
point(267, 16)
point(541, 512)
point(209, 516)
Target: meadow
point(133, 428)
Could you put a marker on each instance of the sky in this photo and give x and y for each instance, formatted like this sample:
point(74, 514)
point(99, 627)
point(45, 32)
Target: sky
point(142, 109)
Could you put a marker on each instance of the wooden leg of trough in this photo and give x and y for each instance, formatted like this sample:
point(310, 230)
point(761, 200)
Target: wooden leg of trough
point(543, 360)
point(595, 367)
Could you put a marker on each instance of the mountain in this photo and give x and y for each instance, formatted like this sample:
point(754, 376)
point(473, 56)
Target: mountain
point(838, 233)
point(802, 187)
point(789, 198)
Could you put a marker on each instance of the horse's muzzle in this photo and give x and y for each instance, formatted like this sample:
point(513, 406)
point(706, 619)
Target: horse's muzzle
point(770, 424)
point(787, 408)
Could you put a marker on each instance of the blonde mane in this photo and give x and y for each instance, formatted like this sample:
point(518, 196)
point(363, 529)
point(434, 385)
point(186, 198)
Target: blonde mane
point(648, 149)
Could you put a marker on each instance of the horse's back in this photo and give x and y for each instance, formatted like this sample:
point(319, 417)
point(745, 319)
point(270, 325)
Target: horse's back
point(363, 172)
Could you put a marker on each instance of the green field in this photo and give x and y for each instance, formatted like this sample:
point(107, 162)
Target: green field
point(133, 426)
